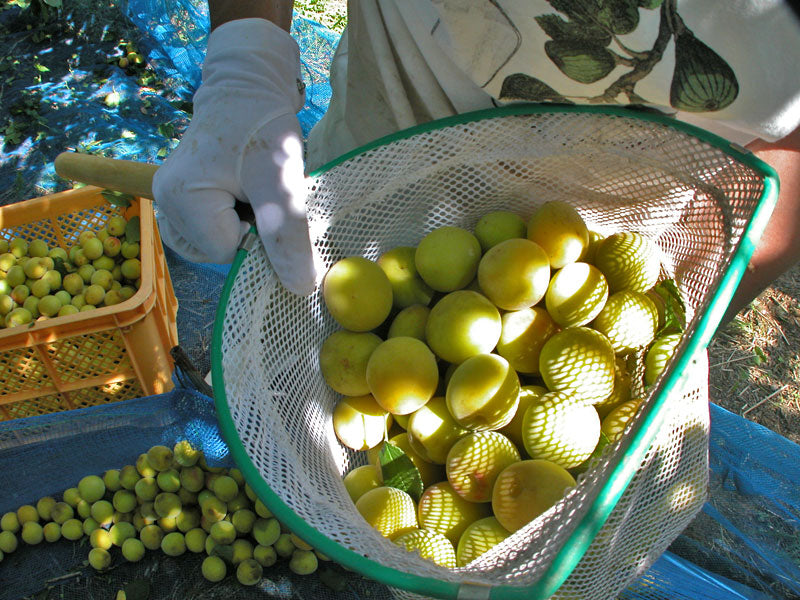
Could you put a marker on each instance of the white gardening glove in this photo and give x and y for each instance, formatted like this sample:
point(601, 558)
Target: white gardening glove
point(244, 142)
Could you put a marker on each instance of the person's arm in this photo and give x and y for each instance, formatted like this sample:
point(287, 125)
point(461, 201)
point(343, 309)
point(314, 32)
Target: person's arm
point(779, 248)
point(277, 11)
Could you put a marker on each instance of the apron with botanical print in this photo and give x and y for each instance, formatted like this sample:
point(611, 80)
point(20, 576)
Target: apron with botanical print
point(730, 66)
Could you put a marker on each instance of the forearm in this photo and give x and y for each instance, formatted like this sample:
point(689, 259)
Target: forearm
point(779, 247)
point(277, 11)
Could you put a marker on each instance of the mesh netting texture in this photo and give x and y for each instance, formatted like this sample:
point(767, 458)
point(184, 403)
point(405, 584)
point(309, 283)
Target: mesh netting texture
point(621, 173)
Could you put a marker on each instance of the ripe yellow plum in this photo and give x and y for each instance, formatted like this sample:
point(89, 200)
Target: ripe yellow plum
point(576, 294)
point(514, 274)
point(407, 286)
point(559, 228)
point(32, 532)
point(357, 293)
point(560, 428)
point(622, 389)
point(158, 457)
point(410, 322)
point(477, 539)
point(475, 461)
point(402, 374)
point(303, 562)
point(580, 361)
point(18, 316)
point(526, 489)
point(99, 559)
point(617, 420)
point(483, 393)
point(462, 324)
point(442, 509)
point(658, 355)
point(432, 430)
point(513, 431)
point(91, 488)
point(629, 320)
point(389, 510)
point(360, 422)
point(629, 261)
point(343, 360)
point(522, 335)
point(213, 568)
point(173, 544)
point(498, 226)
point(401, 421)
point(15, 276)
point(430, 545)
point(34, 268)
point(591, 250)
point(360, 480)
point(447, 258)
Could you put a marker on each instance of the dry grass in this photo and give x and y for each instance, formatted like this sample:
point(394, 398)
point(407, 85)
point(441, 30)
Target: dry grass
point(755, 367)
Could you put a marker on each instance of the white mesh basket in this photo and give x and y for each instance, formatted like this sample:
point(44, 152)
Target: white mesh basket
point(701, 200)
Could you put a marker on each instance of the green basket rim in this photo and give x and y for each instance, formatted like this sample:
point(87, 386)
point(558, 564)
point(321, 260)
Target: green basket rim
point(634, 445)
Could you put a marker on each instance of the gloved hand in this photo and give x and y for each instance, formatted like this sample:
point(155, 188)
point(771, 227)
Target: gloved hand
point(244, 142)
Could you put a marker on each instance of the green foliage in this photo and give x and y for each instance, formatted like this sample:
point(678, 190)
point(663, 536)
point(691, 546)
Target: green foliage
point(132, 230)
point(117, 199)
point(674, 308)
point(399, 472)
point(331, 14)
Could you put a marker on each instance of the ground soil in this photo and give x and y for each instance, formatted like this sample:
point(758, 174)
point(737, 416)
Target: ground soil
point(754, 363)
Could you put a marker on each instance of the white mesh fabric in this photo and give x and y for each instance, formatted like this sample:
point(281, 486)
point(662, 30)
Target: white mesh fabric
point(621, 174)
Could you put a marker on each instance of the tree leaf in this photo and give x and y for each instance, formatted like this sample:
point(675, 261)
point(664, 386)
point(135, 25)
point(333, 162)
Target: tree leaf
point(398, 471)
point(60, 266)
point(137, 589)
point(167, 130)
point(53, 3)
point(584, 62)
point(674, 308)
point(132, 230)
point(117, 199)
point(333, 579)
point(520, 86)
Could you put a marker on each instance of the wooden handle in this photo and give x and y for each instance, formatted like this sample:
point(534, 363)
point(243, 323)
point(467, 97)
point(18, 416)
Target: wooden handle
point(126, 176)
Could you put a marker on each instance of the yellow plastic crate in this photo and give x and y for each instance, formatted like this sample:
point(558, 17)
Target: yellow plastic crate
point(104, 355)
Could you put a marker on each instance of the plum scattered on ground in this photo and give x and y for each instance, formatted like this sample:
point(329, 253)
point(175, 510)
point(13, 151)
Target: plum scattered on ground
point(99, 559)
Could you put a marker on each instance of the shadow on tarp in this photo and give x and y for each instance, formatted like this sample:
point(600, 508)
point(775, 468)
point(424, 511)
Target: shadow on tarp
point(749, 530)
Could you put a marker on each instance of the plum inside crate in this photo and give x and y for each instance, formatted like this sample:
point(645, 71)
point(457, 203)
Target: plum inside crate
point(103, 355)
